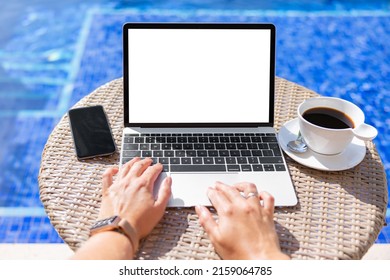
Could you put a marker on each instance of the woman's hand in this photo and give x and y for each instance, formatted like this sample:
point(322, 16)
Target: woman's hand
point(131, 195)
point(245, 228)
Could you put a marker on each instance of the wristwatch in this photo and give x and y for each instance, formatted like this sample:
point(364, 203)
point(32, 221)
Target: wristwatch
point(116, 223)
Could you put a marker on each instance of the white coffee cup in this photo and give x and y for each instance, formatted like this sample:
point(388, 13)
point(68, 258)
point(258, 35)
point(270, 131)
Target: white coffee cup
point(326, 140)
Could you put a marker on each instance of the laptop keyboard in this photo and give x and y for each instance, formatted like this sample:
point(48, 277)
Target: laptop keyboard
point(207, 152)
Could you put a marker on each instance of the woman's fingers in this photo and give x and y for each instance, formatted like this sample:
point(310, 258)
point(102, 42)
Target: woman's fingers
point(127, 166)
point(207, 221)
point(229, 192)
point(164, 193)
point(268, 202)
point(218, 199)
point(108, 178)
point(246, 188)
point(151, 174)
point(138, 168)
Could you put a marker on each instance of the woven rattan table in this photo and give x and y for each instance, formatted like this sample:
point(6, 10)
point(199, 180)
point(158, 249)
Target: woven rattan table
point(339, 214)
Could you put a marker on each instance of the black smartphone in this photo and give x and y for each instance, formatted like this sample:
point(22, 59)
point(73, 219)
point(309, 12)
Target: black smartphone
point(91, 132)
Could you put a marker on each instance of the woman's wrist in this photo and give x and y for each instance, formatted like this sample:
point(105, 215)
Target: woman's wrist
point(270, 255)
point(109, 245)
point(277, 256)
point(118, 243)
point(266, 252)
point(117, 224)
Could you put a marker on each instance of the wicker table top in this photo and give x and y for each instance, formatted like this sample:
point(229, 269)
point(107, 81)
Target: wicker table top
point(339, 214)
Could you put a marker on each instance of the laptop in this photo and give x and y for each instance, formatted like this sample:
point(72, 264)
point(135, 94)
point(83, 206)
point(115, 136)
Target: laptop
point(199, 98)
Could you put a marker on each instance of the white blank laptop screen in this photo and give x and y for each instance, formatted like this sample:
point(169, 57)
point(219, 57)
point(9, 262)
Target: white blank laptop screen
point(199, 75)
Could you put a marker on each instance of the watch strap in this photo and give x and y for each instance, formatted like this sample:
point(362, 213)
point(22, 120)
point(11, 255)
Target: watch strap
point(129, 232)
point(117, 224)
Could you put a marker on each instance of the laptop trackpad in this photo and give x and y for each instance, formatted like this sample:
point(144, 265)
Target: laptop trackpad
point(189, 189)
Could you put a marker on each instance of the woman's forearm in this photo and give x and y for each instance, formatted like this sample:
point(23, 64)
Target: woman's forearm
point(108, 245)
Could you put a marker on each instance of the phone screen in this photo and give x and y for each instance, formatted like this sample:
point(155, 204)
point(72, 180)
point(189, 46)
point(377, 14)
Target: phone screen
point(91, 132)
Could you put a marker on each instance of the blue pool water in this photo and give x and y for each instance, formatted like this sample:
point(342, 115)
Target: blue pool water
point(52, 54)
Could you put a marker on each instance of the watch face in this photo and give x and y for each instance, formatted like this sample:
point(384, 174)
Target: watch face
point(105, 222)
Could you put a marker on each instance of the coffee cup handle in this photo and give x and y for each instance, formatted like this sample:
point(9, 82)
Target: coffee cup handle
point(365, 132)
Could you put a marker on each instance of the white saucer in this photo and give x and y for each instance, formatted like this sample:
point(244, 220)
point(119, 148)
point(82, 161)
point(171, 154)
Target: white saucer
point(350, 157)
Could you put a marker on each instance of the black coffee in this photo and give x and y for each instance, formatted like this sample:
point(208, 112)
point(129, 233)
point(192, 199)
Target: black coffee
point(328, 118)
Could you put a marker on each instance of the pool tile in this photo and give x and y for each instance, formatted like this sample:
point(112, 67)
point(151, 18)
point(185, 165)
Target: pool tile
point(27, 230)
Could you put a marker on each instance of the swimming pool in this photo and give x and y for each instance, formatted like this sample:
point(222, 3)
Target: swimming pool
point(52, 54)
